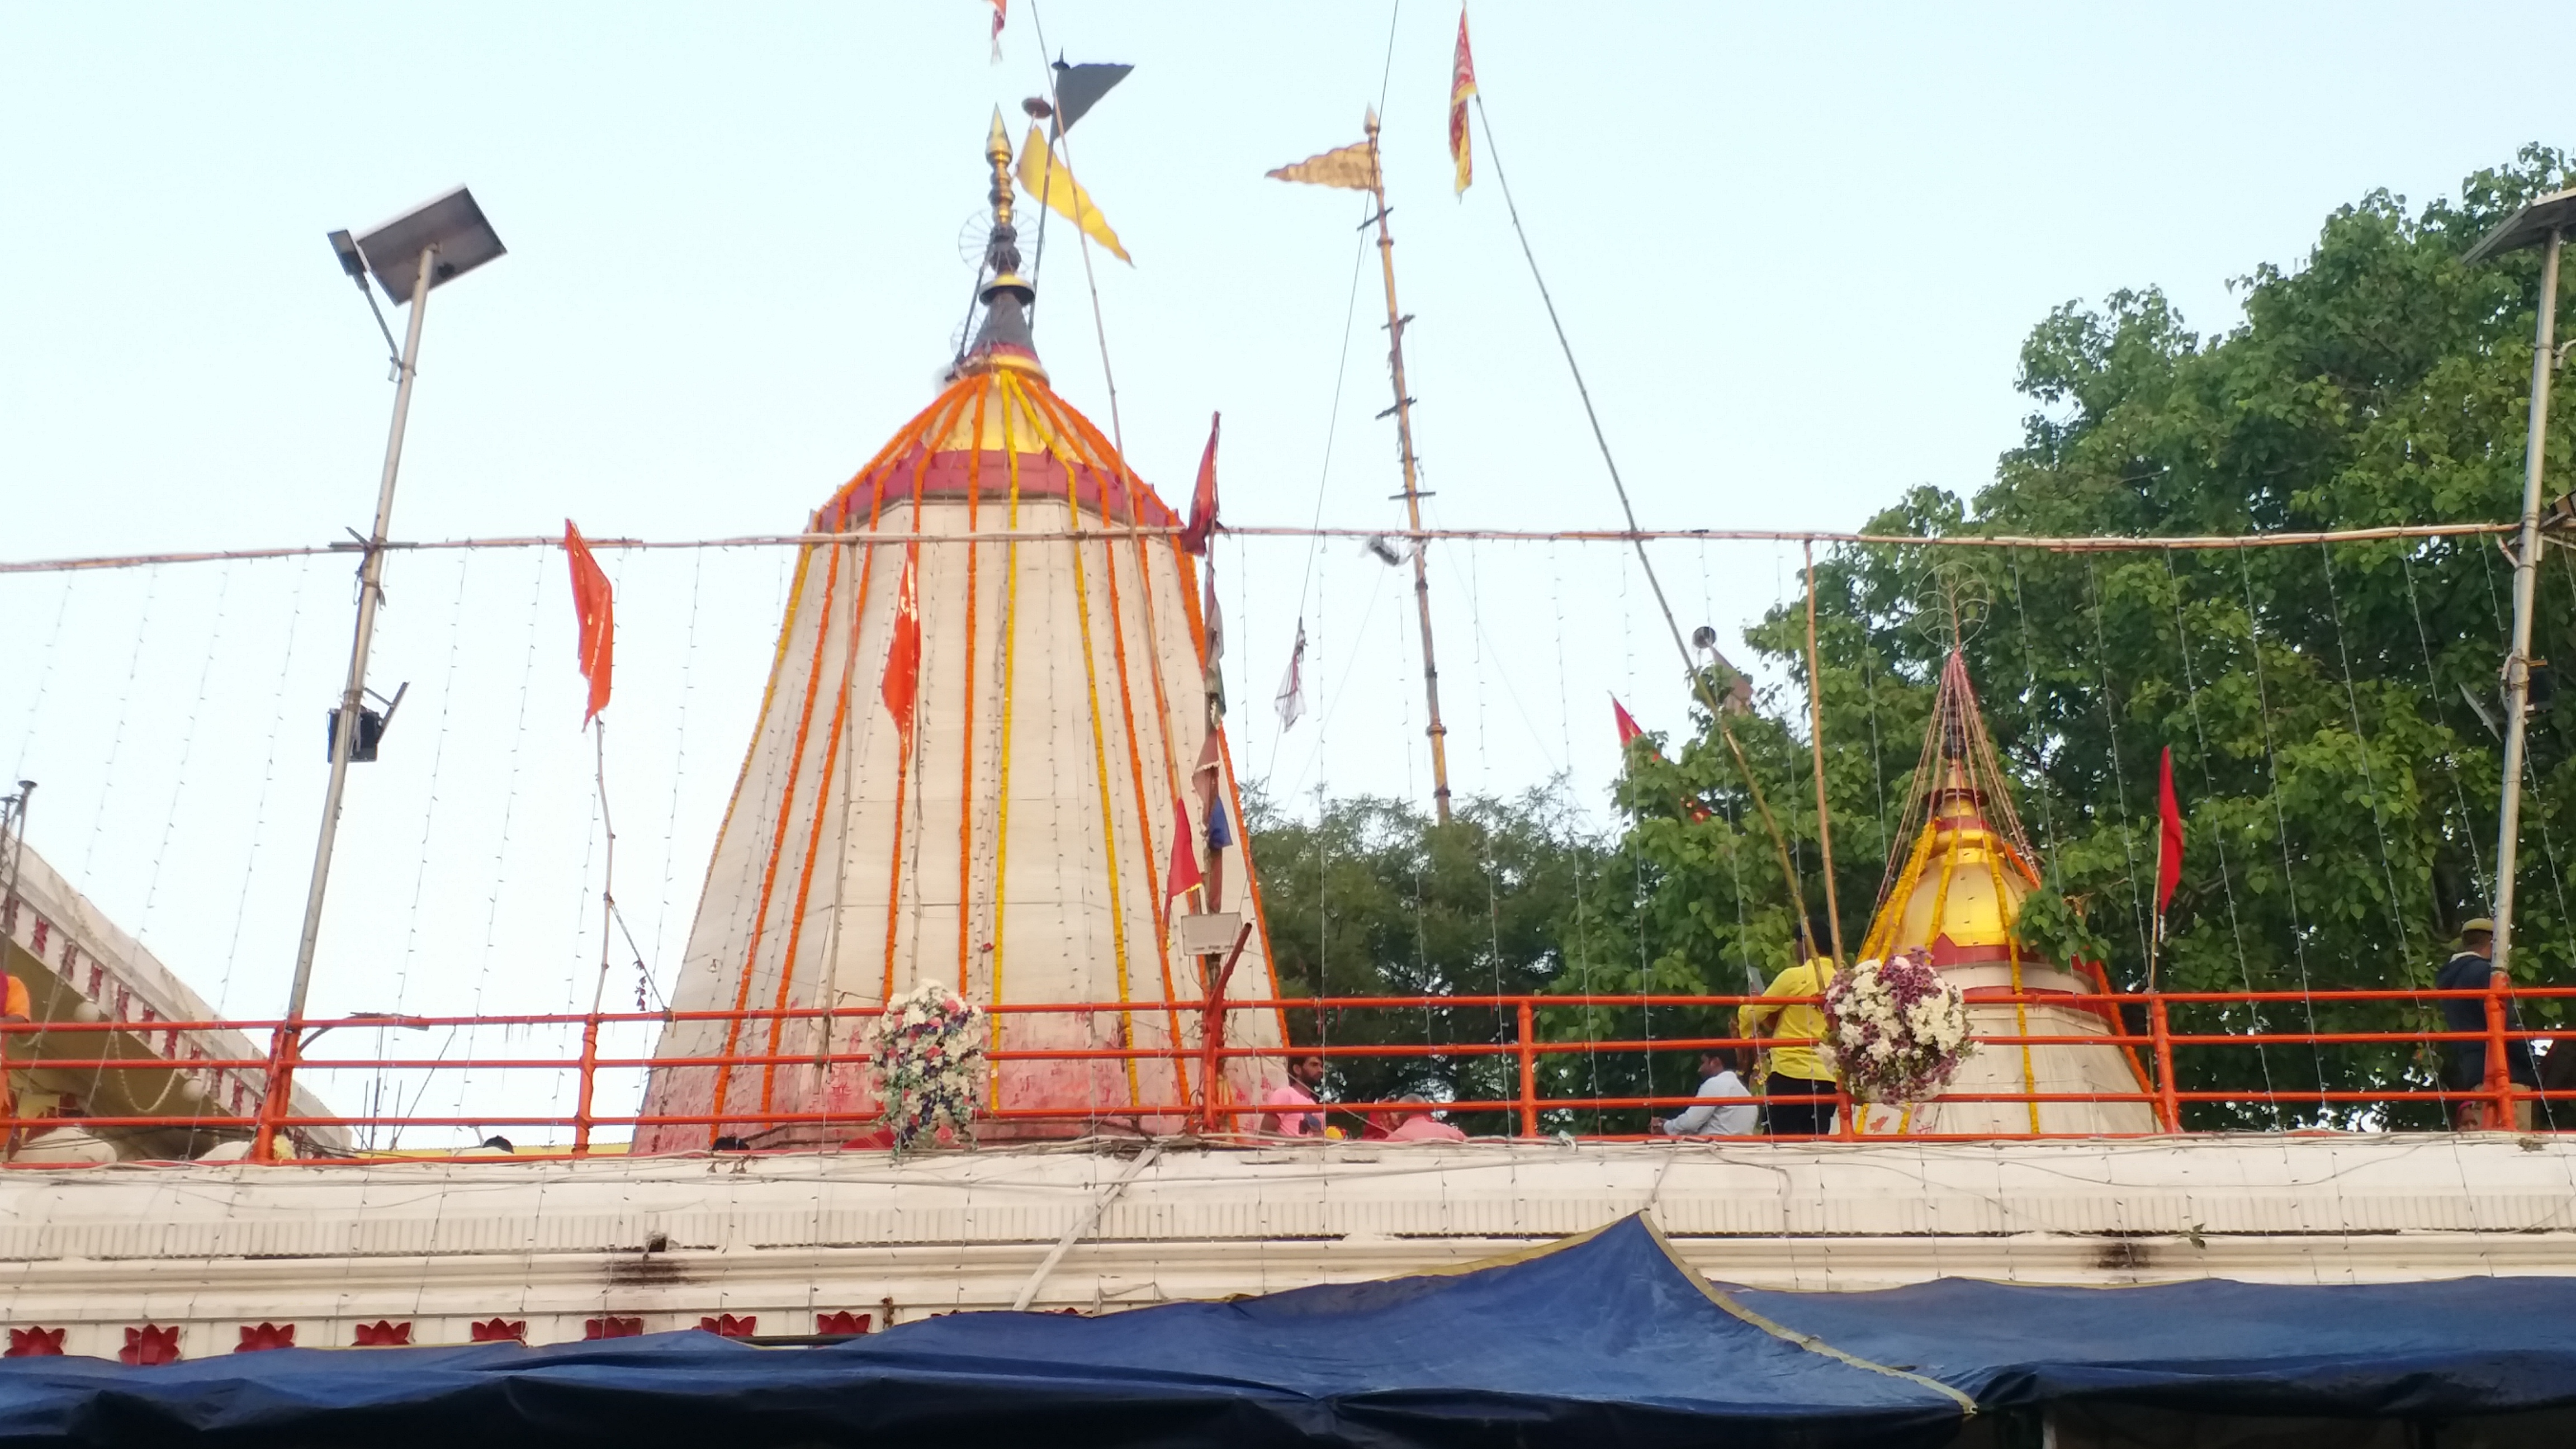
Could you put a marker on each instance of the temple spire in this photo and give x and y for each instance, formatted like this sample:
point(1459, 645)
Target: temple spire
point(1005, 339)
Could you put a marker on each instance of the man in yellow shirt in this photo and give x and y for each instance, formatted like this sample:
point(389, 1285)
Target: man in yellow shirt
point(1799, 1092)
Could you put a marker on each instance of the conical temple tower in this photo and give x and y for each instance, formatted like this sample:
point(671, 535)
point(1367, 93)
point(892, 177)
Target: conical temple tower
point(965, 770)
point(1957, 894)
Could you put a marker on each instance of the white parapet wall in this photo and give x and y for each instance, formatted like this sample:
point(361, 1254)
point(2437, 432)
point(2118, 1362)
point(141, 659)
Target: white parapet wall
point(661, 1243)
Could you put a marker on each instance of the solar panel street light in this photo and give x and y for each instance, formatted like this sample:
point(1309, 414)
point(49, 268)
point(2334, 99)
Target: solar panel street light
point(409, 256)
point(2543, 223)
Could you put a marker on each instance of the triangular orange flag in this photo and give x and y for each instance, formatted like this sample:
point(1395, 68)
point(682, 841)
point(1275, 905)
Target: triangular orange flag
point(1185, 855)
point(903, 657)
point(595, 607)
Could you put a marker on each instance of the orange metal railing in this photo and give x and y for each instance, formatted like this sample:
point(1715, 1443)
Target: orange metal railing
point(2140, 1025)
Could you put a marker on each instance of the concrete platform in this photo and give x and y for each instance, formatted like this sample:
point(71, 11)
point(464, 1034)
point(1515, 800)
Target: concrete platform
point(783, 1238)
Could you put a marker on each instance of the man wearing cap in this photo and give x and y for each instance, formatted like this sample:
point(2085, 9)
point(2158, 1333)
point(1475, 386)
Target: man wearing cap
point(2472, 968)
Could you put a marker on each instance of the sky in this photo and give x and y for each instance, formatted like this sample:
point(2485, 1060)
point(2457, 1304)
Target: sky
point(1795, 251)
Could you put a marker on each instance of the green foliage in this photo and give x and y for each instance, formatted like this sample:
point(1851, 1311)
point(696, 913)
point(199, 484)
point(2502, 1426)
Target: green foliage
point(1376, 899)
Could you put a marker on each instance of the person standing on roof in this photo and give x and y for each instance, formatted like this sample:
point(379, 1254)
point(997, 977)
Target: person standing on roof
point(2472, 968)
point(1305, 1076)
point(1798, 1087)
point(1725, 1107)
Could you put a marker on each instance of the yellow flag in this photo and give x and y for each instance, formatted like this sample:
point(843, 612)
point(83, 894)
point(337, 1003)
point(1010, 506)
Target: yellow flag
point(1051, 182)
point(1352, 166)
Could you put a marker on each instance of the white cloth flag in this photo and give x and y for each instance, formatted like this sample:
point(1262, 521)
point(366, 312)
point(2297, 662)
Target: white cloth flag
point(1291, 699)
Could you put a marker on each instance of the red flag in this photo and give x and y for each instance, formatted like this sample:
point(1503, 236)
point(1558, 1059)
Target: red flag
point(1628, 730)
point(2169, 844)
point(596, 610)
point(1462, 84)
point(903, 657)
point(1202, 522)
point(1627, 723)
point(1185, 856)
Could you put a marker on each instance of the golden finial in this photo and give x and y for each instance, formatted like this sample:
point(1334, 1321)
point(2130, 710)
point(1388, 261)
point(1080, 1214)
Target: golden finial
point(997, 149)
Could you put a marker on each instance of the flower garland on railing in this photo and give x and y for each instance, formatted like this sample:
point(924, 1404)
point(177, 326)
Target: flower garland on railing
point(929, 1056)
point(1897, 1030)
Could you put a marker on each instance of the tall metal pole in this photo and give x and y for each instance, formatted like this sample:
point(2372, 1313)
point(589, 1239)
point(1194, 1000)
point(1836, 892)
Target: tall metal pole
point(1816, 749)
point(2526, 581)
point(344, 739)
point(1403, 410)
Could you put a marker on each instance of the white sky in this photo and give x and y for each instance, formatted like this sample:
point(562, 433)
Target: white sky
point(1796, 249)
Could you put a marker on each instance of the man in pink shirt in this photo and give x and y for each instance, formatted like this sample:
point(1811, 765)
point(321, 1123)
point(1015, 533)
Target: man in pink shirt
point(1305, 1074)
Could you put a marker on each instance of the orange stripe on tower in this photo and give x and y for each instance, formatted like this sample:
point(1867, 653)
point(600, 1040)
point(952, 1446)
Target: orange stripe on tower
point(831, 763)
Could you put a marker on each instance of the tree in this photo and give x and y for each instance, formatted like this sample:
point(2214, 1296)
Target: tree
point(2340, 782)
point(1375, 899)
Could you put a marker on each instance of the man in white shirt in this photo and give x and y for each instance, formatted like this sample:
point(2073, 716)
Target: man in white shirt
point(1713, 1115)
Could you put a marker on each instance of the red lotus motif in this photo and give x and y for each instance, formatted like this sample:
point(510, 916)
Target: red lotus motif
point(842, 1322)
point(35, 1343)
point(612, 1326)
point(383, 1334)
point(261, 1337)
point(501, 1330)
point(150, 1344)
point(725, 1325)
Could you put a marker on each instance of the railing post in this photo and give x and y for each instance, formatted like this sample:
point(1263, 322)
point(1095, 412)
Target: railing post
point(280, 1090)
point(2168, 1105)
point(2499, 1079)
point(589, 1080)
point(1529, 1070)
point(1212, 1029)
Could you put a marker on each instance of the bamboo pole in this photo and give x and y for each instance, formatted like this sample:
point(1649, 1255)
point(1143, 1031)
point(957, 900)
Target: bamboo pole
point(1816, 748)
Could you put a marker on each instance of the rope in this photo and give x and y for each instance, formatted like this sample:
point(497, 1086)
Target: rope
point(2218, 839)
point(2281, 819)
point(2048, 543)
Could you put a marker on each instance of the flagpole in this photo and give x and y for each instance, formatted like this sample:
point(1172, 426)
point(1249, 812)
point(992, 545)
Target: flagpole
point(1403, 411)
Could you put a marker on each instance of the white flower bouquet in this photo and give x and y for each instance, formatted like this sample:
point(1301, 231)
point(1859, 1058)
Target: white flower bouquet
point(1896, 1029)
point(929, 1056)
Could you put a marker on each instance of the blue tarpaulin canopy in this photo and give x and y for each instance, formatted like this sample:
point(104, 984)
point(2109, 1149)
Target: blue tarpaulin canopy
point(1605, 1339)
point(2457, 1348)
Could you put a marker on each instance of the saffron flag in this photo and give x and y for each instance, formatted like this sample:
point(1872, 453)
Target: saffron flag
point(1629, 730)
point(1462, 84)
point(902, 684)
point(1627, 722)
point(1001, 12)
point(1194, 536)
point(2169, 841)
point(595, 608)
point(1290, 701)
point(1185, 856)
point(1048, 179)
point(1353, 167)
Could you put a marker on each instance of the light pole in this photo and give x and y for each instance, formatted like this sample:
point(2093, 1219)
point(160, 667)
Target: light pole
point(408, 256)
point(2544, 223)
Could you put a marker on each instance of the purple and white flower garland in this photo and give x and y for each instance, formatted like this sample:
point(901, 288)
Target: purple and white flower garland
point(929, 1056)
point(1896, 1029)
